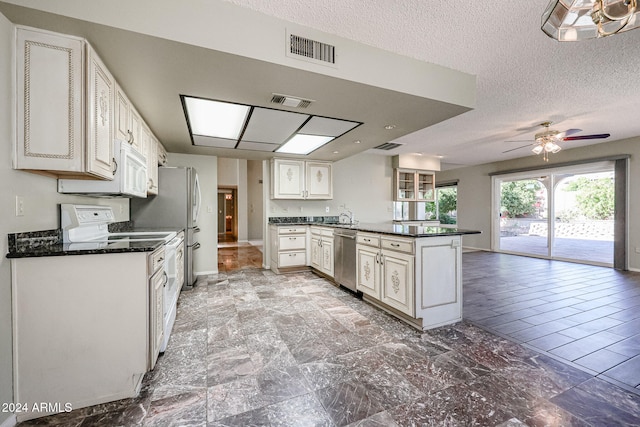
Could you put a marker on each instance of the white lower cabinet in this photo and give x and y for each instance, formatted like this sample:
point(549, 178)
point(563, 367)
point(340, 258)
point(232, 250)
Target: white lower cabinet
point(288, 247)
point(396, 287)
point(384, 274)
point(322, 250)
point(80, 328)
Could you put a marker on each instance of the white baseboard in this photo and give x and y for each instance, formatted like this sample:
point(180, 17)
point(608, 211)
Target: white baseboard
point(256, 242)
point(204, 273)
point(10, 422)
point(471, 248)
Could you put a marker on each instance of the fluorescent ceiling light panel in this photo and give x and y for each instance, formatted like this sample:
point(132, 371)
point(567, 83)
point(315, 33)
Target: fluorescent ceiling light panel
point(214, 118)
point(304, 144)
point(326, 126)
point(272, 126)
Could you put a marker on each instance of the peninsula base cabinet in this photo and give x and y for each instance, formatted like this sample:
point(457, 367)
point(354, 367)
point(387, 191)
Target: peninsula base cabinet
point(84, 327)
point(418, 280)
point(288, 247)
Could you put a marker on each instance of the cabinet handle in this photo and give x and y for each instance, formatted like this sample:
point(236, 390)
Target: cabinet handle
point(150, 183)
point(130, 139)
point(377, 260)
point(292, 238)
point(292, 254)
point(115, 165)
point(395, 245)
point(381, 259)
point(367, 240)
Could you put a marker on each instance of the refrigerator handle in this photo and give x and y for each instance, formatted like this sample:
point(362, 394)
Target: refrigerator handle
point(196, 246)
point(196, 229)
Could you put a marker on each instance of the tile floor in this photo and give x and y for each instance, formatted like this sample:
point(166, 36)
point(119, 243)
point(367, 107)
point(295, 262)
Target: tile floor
point(583, 315)
point(251, 348)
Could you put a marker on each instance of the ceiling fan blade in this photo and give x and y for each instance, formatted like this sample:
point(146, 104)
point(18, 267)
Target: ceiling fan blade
point(517, 148)
point(567, 133)
point(581, 137)
point(519, 140)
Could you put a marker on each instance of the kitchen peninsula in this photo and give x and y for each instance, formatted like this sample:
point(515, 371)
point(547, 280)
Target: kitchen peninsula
point(412, 272)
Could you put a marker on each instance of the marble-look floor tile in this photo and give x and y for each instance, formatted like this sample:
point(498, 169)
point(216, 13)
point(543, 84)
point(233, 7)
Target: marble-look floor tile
point(348, 402)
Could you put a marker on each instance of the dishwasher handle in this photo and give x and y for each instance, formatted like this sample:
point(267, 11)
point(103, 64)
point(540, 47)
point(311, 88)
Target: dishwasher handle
point(348, 236)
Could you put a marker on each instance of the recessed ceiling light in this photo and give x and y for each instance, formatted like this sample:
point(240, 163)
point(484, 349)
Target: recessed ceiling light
point(335, 152)
point(389, 127)
point(357, 141)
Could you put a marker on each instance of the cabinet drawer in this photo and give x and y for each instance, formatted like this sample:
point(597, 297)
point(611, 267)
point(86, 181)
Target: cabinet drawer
point(292, 259)
point(398, 245)
point(368, 239)
point(156, 260)
point(322, 231)
point(286, 243)
point(299, 229)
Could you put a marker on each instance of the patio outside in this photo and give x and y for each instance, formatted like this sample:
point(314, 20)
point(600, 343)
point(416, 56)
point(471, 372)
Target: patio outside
point(583, 223)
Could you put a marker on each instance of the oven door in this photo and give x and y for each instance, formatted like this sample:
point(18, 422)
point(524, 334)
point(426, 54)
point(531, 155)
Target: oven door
point(134, 172)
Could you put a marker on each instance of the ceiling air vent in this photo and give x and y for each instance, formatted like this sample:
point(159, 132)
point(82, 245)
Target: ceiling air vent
point(290, 101)
point(387, 146)
point(304, 48)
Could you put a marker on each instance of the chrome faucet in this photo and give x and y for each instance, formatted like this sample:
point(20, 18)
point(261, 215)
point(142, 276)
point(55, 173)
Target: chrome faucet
point(348, 214)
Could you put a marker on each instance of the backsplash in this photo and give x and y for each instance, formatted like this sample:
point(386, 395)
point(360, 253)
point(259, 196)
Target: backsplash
point(303, 219)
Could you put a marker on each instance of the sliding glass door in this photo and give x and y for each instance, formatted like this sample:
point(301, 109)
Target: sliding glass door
point(565, 214)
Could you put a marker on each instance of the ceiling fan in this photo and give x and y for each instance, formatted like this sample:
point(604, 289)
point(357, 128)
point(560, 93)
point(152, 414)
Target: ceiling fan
point(546, 141)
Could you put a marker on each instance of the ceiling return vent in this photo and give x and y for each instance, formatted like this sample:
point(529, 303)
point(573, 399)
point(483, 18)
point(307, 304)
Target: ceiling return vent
point(311, 50)
point(290, 101)
point(387, 146)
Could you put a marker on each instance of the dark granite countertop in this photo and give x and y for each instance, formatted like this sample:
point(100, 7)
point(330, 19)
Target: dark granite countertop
point(49, 243)
point(392, 229)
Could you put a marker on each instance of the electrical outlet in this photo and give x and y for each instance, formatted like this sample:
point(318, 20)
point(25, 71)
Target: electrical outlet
point(209, 209)
point(326, 209)
point(301, 208)
point(19, 206)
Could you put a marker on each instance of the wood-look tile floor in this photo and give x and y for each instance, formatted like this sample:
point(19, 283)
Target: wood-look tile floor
point(251, 348)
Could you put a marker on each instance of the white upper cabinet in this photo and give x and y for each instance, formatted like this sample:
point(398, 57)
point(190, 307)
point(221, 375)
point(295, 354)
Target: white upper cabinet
point(414, 185)
point(64, 106)
point(319, 180)
point(102, 90)
point(70, 109)
point(50, 75)
point(300, 179)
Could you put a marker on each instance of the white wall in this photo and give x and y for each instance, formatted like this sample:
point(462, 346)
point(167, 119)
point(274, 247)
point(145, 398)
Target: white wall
point(205, 258)
point(363, 183)
point(474, 189)
point(254, 200)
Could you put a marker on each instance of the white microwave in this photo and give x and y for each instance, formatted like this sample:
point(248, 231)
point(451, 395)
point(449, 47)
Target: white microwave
point(129, 176)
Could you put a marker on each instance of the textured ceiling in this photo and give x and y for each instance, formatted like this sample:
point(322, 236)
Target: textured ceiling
point(523, 76)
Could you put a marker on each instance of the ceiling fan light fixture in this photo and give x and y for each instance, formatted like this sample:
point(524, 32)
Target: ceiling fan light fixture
point(537, 149)
point(576, 20)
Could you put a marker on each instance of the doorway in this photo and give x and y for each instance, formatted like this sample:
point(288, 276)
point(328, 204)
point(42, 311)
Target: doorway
point(566, 214)
point(227, 217)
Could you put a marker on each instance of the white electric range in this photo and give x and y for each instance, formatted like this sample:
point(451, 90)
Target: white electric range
point(86, 227)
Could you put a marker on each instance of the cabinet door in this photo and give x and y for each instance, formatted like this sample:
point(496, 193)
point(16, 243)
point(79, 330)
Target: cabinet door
point(405, 185)
point(316, 252)
point(425, 182)
point(319, 180)
point(135, 125)
point(123, 121)
point(288, 179)
point(368, 274)
point(327, 256)
point(152, 165)
point(100, 118)
point(50, 84)
point(156, 333)
point(397, 281)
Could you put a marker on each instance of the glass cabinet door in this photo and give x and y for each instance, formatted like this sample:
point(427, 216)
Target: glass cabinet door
point(405, 185)
point(426, 186)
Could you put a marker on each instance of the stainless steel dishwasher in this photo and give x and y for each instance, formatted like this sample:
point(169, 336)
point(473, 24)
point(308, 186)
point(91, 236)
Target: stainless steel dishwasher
point(344, 241)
